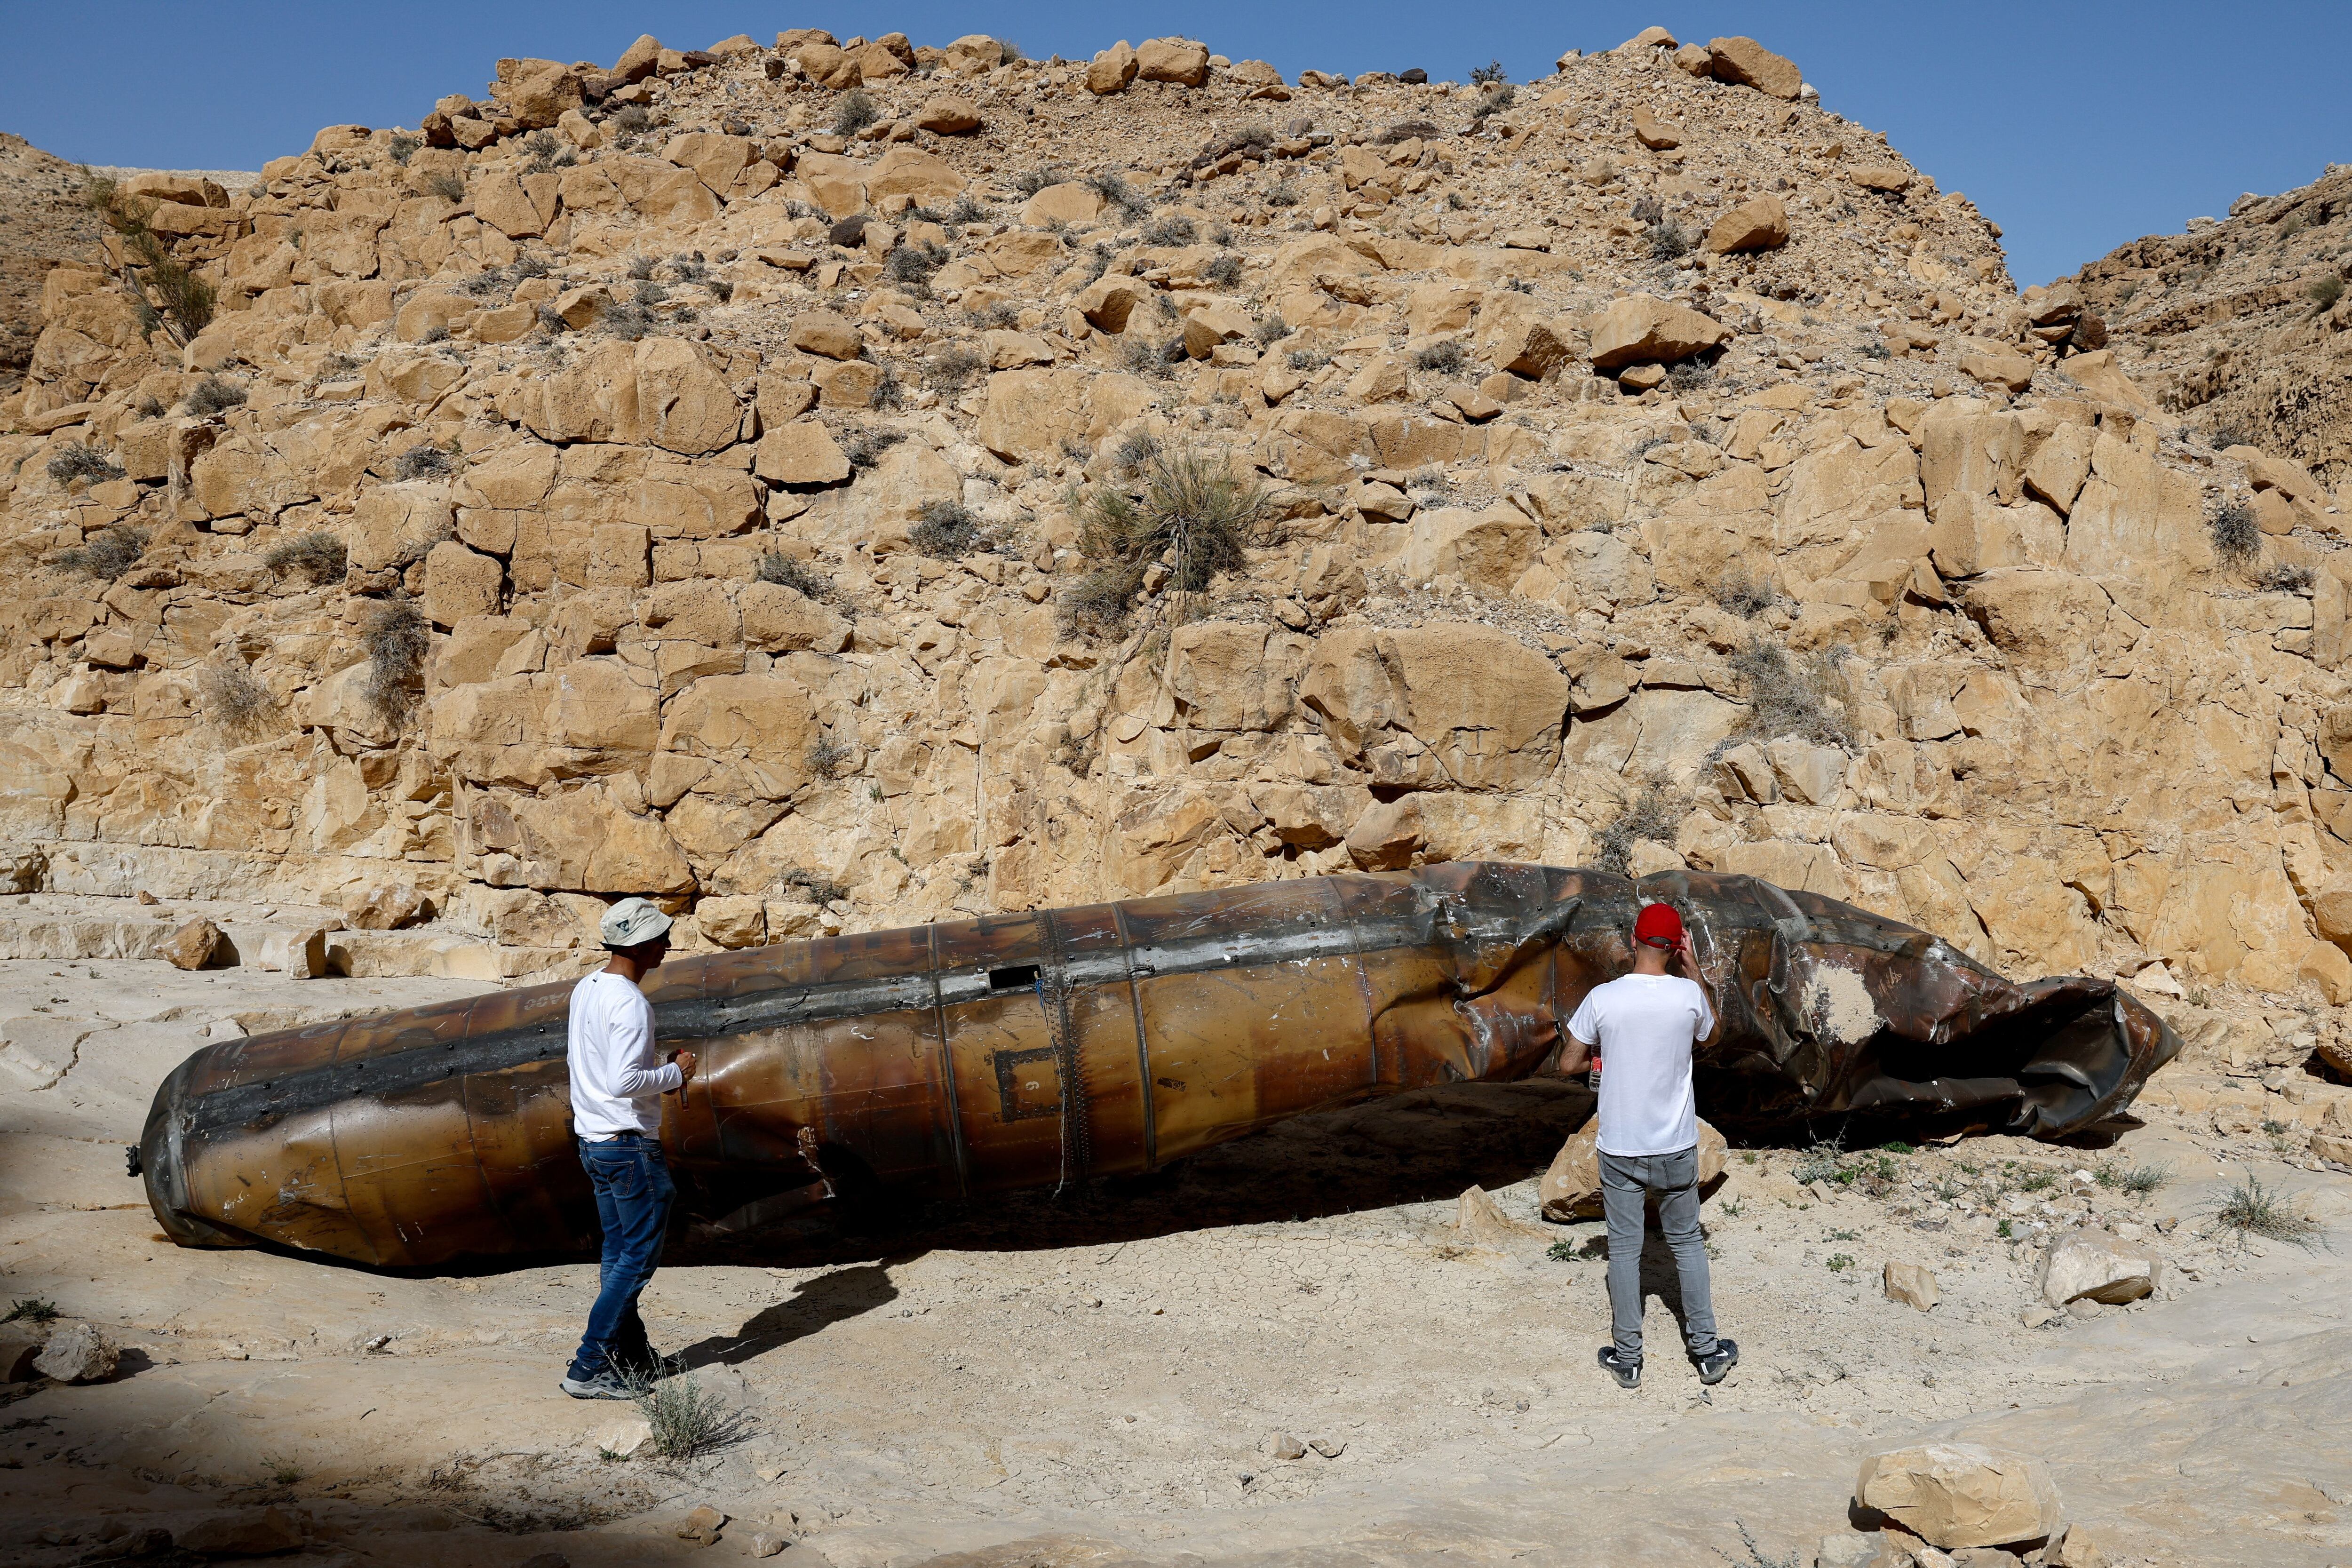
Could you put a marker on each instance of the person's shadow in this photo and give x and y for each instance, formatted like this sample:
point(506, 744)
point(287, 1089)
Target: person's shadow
point(827, 1298)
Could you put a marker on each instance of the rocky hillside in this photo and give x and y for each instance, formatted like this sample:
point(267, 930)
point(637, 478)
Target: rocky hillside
point(836, 484)
point(42, 223)
point(2244, 325)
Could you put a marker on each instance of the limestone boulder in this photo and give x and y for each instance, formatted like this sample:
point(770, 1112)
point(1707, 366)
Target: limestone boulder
point(1179, 60)
point(1388, 835)
point(1759, 224)
point(1643, 330)
point(1653, 132)
point(195, 944)
point(1030, 412)
point(924, 178)
point(1911, 1285)
point(78, 1353)
point(948, 116)
point(242, 1533)
point(1956, 1495)
point(1068, 201)
point(459, 583)
point(663, 391)
point(974, 54)
point(826, 333)
point(1570, 1187)
point(591, 716)
point(1748, 63)
point(2084, 1263)
point(1111, 70)
point(801, 453)
point(1487, 548)
point(1444, 706)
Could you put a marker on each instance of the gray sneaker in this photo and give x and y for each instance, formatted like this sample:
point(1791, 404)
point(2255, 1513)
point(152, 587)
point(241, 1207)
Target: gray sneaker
point(1626, 1370)
point(1712, 1368)
point(604, 1384)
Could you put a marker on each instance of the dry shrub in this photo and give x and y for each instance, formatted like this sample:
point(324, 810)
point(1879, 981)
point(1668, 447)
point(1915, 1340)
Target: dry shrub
point(77, 461)
point(167, 292)
point(396, 640)
point(1789, 697)
point(235, 698)
point(2237, 536)
point(213, 395)
point(948, 531)
point(106, 554)
point(786, 572)
point(321, 557)
point(1652, 814)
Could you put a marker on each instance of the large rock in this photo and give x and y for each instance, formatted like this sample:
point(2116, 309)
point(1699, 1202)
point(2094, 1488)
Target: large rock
point(1759, 224)
point(1750, 64)
point(78, 1353)
point(2087, 1263)
point(824, 333)
point(1029, 413)
point(1641, 328)
point(1571, 1189)
point(195, 944)
point(1954, 1495)
point(1912, 1284)
point(1180, 60)
point(948, 116)
point(1112, 70)
point(1446, 706)
point(801, 453)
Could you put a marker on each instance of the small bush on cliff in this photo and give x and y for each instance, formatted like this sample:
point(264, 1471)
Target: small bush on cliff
point(1194, 519)
point(395, 640)
point(2237, 536)
point(321, 557)
point(426, 461)
point(948, 531)
point(106, 554)
point(1652, 814)
point(1786, 697)
point(78, 461)
point(814, 886)
point(786, 572)
point(1444, 358)
point(168, 293)
point(235, 698)
point(858, 111)
point(213, 395)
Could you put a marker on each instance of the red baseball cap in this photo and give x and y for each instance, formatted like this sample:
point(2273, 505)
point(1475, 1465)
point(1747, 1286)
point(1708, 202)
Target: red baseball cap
point(1658, 925)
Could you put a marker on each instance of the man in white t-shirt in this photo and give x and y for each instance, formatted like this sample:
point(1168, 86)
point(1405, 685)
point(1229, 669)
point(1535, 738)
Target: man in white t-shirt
point(1641, 1027)
point(619, 1077)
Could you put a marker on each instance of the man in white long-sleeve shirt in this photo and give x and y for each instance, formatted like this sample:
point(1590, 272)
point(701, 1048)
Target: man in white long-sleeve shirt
point(618, 1081)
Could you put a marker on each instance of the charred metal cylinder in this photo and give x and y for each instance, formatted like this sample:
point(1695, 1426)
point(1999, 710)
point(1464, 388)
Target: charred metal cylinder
point(1053, 1046)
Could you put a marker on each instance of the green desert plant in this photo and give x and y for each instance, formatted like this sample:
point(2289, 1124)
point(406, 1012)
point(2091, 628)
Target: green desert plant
point(2252, 1210)
point(1193, 518)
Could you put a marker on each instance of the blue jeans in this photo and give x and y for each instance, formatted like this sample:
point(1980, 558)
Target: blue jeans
point(1624, 1181)
point(633, 1197)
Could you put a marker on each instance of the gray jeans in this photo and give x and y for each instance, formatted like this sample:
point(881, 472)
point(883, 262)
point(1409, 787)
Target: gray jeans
point(1675, 1178)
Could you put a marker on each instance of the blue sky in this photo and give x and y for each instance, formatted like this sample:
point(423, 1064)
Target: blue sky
point(2076, 126)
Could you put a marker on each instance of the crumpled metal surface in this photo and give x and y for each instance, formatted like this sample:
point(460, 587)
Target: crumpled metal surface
point(1050, 1046)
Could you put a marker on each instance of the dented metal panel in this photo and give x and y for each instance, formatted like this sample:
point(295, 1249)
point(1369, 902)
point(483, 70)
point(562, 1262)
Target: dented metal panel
point(1055, 1047)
